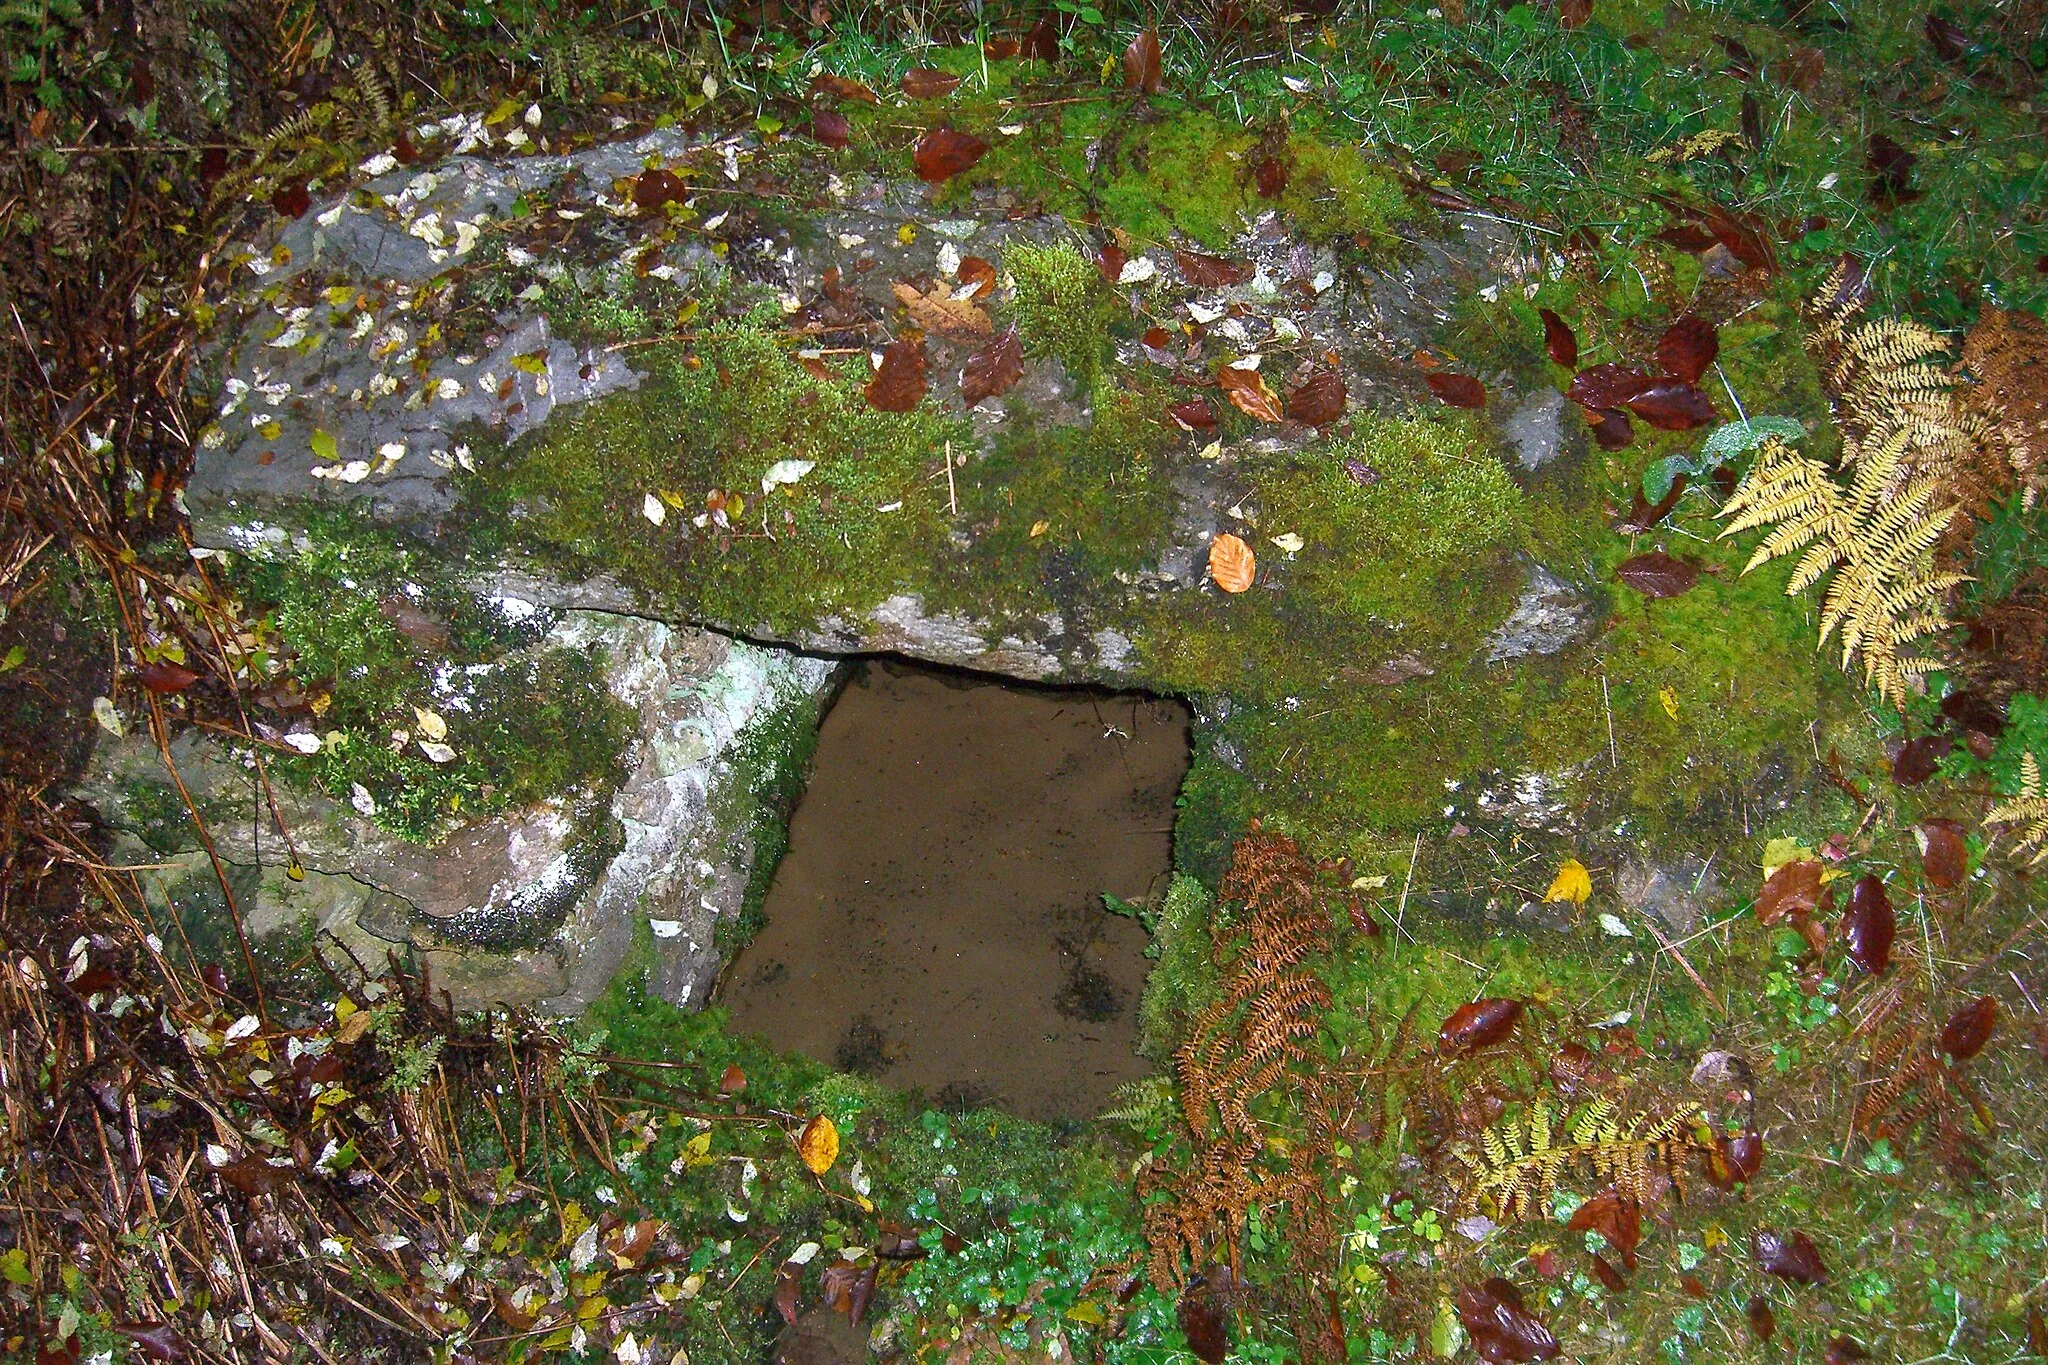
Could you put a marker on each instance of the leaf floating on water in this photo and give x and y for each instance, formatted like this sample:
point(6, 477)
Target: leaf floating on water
point(1232, 563)
point(1793, 1258)
point(899, 385)
point(990, 371)
point(1559, 341)
point(1657, 574)
point(1479, 1024)
point(1142, 71)
point(928, 82)
point(1572, 883)
point(943, 153)
point(1687, 347)
point(1502, 1330)
point(1458, 390)
point(1970, 1028)
point(1868, 926)
point(819, 1144)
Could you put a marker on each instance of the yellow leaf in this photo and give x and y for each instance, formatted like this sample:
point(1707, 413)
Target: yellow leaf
point(1572, 883)
point(697, 1151)
point(1039, 528)
point(819, 1145)
point(1088, 1311)
point(907, 233)
point(1670, 700)
point(1779, 852)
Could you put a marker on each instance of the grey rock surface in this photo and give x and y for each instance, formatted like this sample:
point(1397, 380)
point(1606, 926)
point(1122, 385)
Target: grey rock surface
point(1549, 616)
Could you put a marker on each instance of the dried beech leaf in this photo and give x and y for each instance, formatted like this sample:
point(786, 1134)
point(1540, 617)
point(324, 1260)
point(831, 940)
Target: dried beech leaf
point(1657, 574)
point(1231, 563)
point(656, 188)
point(943, 153)
point(789, 1282)
point(1970, 1028)
point(939, 312)
point(1615, 1217)
point(1318, 400)
point(1687, 347)
point(1247, 392)
point(818, 1144)
point(1482, 1023)
point(1197, 414)
point(1611, 430)
point(1763, 1323)
point(1793, 1258)
point(1868, 926)
point(1458, 390)
point(1503, 1332)
point(1670, 405)
point(1600, 387)
point(928, 82)
point(1944, 856)
point(1919, 759)
point(977, 274)
point(1204, 271)
point(830, 127)
point(1142, 72)
point(899, 385)
point(991, 371)
point(825, 83)
point(1792, 889)
point(1110, 261)
point(161, 676)
point(1559, 340)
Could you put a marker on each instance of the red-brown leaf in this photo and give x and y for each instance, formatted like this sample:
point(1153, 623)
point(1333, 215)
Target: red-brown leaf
point(1603, 1271)
point(1656, 574)
point(1949, 39)
point(1571, 1067)
point(1599, 387)
point(1197, 414)
point(825, 83)
point(1157, 344)
point(1671, 405)
point(977, 274)
point(1642, 513)
point(1204, 271)
point(789, 1282)
point(157, 1340)
point(292, 200)
point(653, 189)
point(991, 370)
point(1687, 347)
point(1142, 74)
point(928, 82)
point(1318, 400)
point(1479, 1024)
point(1970, 1028)
point(1559, 340)
point(1271, 178)
point(1793, 1258)
point(899, 385)
point(253, 1175)
point(1042, 42)
point(161, 676)
point(1615, 1217)
point(1573, 14)
point(1001, 49)
point(1763, 1323)
point(1201, 1322)
point(1458, 390)
point(1844, 1351)
point(830, 127)
point(1111, 261)
point(943, 153)
point(1944, 857)
point(1868, 925)
point(732, 1080)
point(1612, 430)
point(1792, 889)
point(848, 1288)
point(1248, 393)
point(1919, 759)
point(1502, 1330)
point(1735, 1160)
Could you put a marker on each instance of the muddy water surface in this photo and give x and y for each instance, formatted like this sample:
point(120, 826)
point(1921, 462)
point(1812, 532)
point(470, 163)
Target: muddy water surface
point(937, 922)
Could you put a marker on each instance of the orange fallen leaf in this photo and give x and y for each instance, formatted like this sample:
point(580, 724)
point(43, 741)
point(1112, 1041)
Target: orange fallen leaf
point(819, 1144)
point(939, 312)
point(1232, 563)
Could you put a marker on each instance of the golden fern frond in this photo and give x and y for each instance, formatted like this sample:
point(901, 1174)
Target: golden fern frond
point(1518, 1163)
point(2029, 808)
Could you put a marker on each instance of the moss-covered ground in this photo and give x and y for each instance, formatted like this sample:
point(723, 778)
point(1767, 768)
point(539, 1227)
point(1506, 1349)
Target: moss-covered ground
point(1348, 699)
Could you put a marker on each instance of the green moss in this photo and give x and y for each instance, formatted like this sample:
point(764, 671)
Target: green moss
point(1062, 307)
point(1183, 977)
point(758, 787)
point(712, 420)
point(374, 629)
point(1335, 190)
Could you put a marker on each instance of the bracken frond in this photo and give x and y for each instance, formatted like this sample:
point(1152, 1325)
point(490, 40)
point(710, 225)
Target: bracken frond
point(2028, 810)
point(1516, 1165)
